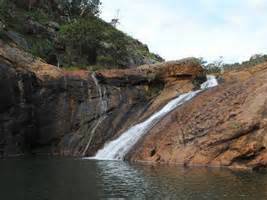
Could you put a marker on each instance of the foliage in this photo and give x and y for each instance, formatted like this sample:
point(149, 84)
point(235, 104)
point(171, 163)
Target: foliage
point(41, 48)
point(80, 8)
point(154, 89)
point(218, 65)
point(254, 60)
point(118, 49)
point(84, 35)
point(70, 8)
point(213, 67)
point(102, 43)
point(39, 15)
point(105, 60)
point(3, 9)
point(82, 39)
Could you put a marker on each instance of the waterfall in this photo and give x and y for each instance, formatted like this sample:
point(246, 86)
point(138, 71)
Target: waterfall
point(103, 107)
point(102, 95)
point(211, 82)
point(22, 93)
point(117, 149)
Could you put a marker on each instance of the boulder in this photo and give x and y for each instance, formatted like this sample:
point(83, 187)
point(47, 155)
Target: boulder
point(18, 39)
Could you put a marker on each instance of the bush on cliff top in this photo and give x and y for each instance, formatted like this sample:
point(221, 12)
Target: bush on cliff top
point(99, 41)
point(84, 35)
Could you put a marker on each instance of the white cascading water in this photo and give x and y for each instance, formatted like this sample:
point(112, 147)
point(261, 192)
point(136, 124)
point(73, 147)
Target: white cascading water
point(211, 82)
point(117, 149)
point(102, 108)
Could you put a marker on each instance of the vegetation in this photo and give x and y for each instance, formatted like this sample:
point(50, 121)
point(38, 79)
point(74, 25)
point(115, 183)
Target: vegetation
point(154, 89)
point(85, 67)
point(81, 8)
point(254, 60)
point(219, 66)
point(70, 33)
point(38, 15)
point(3, 13)
point(42, 47)
point(84, 35)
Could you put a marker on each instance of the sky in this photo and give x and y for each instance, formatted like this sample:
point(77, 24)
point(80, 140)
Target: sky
point(174, 29)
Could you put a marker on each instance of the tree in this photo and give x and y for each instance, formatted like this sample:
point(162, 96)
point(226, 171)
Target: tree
point(202, 61)
point(71, 8)
point(80, 8)
point(85, 35)
point(115, 21)
point(216, 66)
point(219, 63)
point(256, 57)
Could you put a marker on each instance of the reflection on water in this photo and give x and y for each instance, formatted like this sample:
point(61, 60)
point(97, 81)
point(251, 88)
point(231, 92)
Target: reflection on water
point(69, 179)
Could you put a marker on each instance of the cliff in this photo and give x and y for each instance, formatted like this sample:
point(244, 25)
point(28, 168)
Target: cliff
point(46, 110)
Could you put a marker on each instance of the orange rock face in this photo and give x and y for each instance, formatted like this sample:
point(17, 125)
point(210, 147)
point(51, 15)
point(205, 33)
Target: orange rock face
point(223, 126)
point(167, 71)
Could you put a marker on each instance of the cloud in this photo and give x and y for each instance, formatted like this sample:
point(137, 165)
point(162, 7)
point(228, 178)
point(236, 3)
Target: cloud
point(200, 28)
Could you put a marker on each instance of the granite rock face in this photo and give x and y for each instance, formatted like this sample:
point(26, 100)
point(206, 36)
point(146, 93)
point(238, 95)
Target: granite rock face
point(223, 126)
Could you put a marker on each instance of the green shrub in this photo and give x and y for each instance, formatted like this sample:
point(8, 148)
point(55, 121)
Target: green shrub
point(254, 60)
point(88, 31)
point(154, 89)
point(102, 43)
point(105, 60)
point(84, 35)
point(39, 15)
point(4, 7)
point(41, 48)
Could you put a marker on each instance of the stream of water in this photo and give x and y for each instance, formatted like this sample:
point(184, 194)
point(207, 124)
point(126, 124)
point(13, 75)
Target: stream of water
point(117, 149)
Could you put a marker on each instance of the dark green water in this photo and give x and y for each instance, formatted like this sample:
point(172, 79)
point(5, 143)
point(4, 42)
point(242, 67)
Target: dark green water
point(69, 179)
